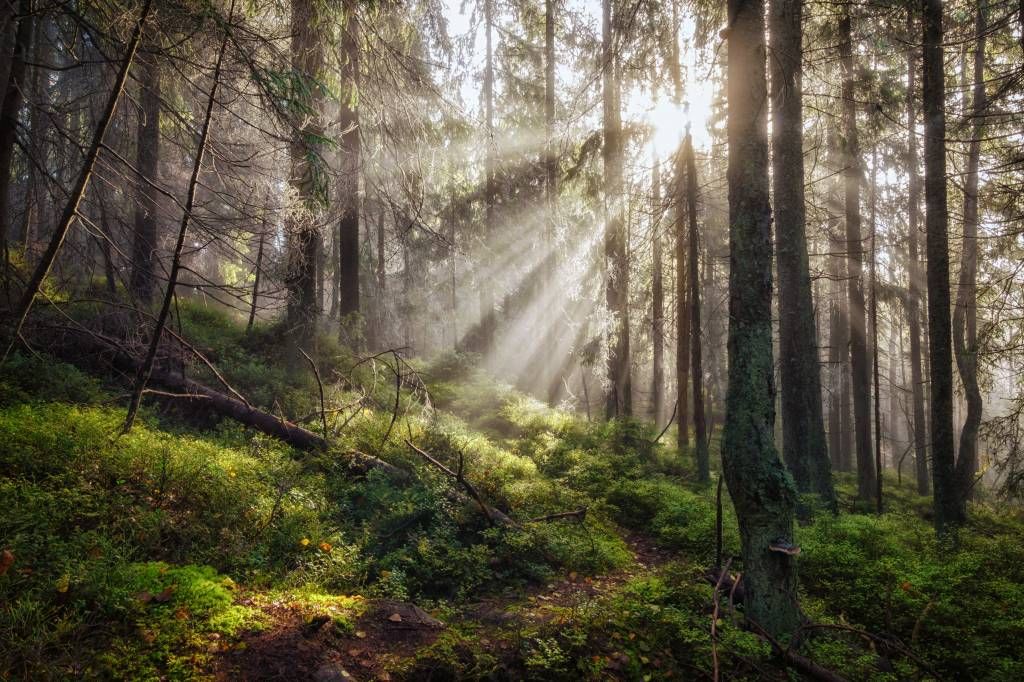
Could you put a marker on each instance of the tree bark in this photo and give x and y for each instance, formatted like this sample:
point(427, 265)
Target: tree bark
point(657, 297)
point(762, 491)
point(965, 315)
point(304, 229)
point(682, 309)
point(348, 186)
point(949, 512)
point(696, 359)
point(859, 365)
point(804, 446)
point(9, 110)
point(619, 399)
point(873, 318)
point(917, 388)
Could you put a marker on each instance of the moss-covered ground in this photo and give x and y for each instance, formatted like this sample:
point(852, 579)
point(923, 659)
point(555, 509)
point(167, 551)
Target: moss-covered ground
point(194, 548)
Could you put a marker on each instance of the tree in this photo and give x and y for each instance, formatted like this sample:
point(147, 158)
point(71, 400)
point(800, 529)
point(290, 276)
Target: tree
point(696, 361)
point(804, 447)
point(348, 185)
point(657, 297)
point(762, 491)
point(9, 109)
point(488, 321)
point(914, 274)
point(949, 512)
point(852, 171)
point(147, 155)
point(306, 179)
point(965, 314)
point(619, 400)
point(71, 208)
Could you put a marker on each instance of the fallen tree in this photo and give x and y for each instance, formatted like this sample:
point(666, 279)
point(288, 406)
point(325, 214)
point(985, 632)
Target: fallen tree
point(177, 386)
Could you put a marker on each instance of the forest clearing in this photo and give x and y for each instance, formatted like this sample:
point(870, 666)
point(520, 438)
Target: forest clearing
point(503, 340)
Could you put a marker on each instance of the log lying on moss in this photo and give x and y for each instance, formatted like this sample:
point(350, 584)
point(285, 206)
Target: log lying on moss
point(180, 387)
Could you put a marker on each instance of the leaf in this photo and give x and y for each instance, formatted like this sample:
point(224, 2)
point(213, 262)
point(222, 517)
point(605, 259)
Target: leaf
point(395, 618)
point(6, 560)
point(360, 634)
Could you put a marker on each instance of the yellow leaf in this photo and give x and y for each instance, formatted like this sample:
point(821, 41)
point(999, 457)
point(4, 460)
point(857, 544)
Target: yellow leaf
point(304, 542)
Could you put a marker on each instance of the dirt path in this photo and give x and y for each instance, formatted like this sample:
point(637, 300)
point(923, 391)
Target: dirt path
point(296, 647)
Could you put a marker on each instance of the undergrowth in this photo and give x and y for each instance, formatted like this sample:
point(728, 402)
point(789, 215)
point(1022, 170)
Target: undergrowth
point(131, 553)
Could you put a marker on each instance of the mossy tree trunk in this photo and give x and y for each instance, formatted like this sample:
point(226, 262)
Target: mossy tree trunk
point(949, 512)
point(762, 491)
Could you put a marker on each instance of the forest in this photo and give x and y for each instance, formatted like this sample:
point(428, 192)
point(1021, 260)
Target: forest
point(512, 340)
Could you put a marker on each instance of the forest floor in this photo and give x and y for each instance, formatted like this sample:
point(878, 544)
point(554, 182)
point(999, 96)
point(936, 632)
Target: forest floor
point(194, 548)
point(389, 633)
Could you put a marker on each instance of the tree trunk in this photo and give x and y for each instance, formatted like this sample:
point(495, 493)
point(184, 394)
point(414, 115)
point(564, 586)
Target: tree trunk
point(78, 192)
point(965, 316)
point(657, 298)
point(873, 318)
point(761, 489)
point(348, 188)
point(696, 359)
point(914, 274)
point(859, 366)
point(619, 399)
point(304, 230)
point(550, 370)
point(256, 284)
point(147, 154)
point(9, 110)
point(488, 319)
point(949, 512)
point(804, 447)
point(682, 310)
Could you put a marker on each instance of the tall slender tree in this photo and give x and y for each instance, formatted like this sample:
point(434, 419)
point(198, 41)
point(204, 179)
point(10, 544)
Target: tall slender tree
point(10, 106)
point(488, 320)
point(852, 172)
point(696, 359)
point(619, 399)
point(804, 447)
point(348, 186)
point(948, 510)
point(965, 315)
point(147, 154)
point(305, 240)
point(762, 491)
point(657, 296)
point(914, 270)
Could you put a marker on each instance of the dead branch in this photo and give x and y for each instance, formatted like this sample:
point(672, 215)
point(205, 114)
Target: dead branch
point(320, 386)
point(489, 513)
point(579, 515)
